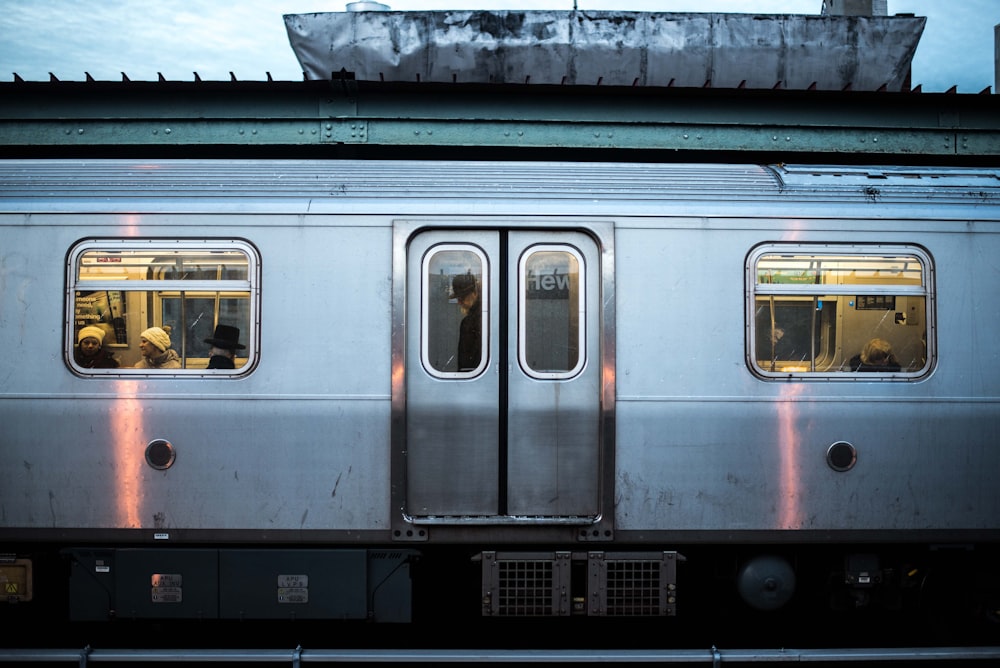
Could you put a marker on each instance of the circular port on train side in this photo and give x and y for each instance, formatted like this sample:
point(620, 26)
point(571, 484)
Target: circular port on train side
point(160, 454)
point(841, 456)
point(766, 582)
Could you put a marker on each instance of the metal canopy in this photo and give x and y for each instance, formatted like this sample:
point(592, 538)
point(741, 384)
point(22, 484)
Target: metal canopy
point(613, 47)
point(344, 117)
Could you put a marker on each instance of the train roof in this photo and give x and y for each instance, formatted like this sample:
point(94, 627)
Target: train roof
point(514, 187)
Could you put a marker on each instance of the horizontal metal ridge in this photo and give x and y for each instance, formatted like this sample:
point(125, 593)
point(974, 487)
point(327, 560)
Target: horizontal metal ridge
point(367, 178)
point(711, 656)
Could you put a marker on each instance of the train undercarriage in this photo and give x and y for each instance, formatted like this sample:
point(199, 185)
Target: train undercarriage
point(817, 599)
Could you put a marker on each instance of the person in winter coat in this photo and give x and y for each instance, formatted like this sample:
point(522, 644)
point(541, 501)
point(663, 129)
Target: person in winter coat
point(225, 342)
point(90, 352)
point(876, 356)
point(154, 344)
point(465, 290)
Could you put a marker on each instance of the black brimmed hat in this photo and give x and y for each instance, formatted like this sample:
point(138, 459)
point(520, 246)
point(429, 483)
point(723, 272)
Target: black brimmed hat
point(226, 337)
point(462, 285)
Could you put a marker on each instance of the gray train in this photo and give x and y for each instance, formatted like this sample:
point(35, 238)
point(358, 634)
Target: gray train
point(376, 360)
point(659, 416)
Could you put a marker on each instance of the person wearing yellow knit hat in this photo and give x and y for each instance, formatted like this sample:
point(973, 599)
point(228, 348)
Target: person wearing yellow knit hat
point(154, 344)
point(90, 353)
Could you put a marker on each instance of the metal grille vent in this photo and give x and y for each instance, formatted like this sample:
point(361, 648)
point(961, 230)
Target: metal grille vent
point(632, 588)
point(632, 584)
point(525, 588)
point(600, 584)
point(526, 585)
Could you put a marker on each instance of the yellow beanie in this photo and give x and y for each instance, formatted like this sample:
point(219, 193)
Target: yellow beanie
point(157, 337)
point(91, 332)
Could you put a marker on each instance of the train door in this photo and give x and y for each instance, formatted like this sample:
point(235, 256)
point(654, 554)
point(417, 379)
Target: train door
point(503, 376)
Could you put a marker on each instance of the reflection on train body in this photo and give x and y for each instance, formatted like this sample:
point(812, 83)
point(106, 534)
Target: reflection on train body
point(653, 412)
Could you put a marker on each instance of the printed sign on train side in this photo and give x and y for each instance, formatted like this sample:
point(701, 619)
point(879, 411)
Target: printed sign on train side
point(547, 286)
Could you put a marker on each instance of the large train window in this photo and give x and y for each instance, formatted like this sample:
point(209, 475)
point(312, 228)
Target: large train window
point(455, 310)
point(551, 312)
point(162, 307)
point(858, 312)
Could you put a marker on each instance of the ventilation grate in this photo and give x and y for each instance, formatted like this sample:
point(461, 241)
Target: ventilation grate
point(632, 584)
point(600, 584)
point(526, 584)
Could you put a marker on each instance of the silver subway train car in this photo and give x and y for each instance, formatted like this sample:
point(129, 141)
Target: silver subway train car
point(670, 416)
point(474, 360)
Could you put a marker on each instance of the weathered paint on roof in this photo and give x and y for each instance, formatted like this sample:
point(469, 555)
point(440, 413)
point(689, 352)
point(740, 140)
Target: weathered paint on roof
point(610, 48)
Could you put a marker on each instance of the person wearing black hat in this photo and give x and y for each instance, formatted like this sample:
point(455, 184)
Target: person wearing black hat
point(465, 291)
point(225, 342)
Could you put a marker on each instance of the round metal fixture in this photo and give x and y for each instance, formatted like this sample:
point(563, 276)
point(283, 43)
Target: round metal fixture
point(766, 582)
point(160, 454)
point(841, 456)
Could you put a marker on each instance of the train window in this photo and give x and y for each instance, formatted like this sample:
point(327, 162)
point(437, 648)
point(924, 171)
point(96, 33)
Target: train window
point(455, 311)
point(192, 291)
point(833, 311)
point(551, 312)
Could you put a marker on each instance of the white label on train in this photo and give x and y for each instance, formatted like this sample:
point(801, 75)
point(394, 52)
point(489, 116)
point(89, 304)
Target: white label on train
point(293, 595)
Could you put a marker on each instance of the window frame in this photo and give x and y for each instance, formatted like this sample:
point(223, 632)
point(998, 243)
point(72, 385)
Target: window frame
point(156, 289)
point(755, 289)
point(580, 311)
point(427, 292)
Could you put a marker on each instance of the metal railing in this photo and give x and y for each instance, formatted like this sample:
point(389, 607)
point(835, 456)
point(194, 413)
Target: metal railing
point(297, 656)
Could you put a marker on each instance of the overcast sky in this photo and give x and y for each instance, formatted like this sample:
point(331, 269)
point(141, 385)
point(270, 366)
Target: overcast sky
point(216, 37)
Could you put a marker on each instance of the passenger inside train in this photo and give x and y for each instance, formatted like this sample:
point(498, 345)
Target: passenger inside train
point(154, 344)
point(90, 352)
point(876, 356)
point(225, 341)
point(465, 291)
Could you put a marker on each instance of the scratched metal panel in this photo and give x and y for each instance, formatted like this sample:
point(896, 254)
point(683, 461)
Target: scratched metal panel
point(610, 48)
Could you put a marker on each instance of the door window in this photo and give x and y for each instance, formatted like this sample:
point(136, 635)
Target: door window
point(551, 322)
point(455, 304)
